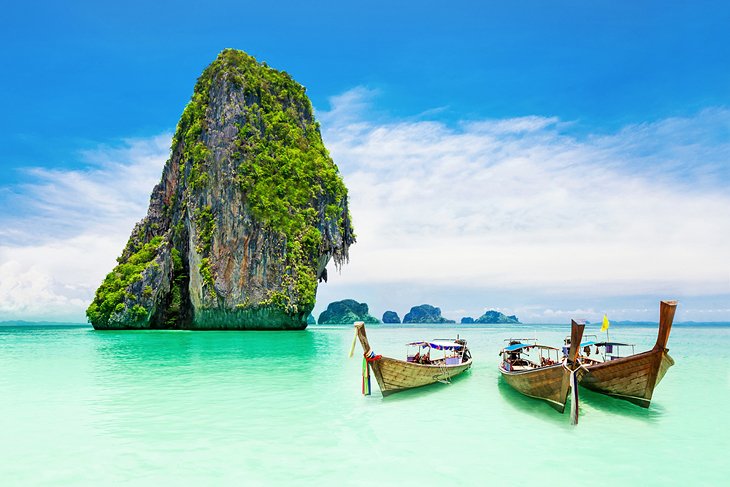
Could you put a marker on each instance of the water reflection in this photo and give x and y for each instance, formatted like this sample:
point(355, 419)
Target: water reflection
point(453, 388)
point(619, 406)
point(535, 408)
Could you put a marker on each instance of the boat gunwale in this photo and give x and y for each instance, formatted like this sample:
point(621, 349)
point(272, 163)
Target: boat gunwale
point(426, 366)
point(628, 358)
point(522, 372)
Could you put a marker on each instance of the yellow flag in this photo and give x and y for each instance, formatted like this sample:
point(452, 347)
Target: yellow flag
point(606, 323)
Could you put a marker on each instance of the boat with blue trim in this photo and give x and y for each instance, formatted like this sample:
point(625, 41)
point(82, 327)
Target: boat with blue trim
point(427, 362)
point(538, 371)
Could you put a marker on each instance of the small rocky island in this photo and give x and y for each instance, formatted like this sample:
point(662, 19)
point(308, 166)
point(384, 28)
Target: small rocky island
point(248, 213)
point(495, 317)
point(425, 313)
point(391, 317)
point(346, 312)
point(467, 320)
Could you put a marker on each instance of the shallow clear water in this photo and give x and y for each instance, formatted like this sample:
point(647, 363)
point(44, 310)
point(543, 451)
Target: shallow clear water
point(79, 407)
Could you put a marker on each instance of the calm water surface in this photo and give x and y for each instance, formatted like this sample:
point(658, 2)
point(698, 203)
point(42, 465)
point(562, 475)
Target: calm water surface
point(79, 407)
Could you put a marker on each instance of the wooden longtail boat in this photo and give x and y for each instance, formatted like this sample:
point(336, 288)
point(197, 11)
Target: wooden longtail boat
point(395, 375)
point(550, 379)
point(632, 378)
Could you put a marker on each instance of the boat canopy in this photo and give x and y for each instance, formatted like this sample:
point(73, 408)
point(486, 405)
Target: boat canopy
point(438, 345)
point(520, 346)
point(615, 344)
point(586, 344)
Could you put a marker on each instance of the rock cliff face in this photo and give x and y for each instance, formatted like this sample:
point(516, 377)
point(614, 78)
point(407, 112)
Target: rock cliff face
point(249, 211)
point(425, 313)
point(493, 316)
point(391, 317)
point(346, 312)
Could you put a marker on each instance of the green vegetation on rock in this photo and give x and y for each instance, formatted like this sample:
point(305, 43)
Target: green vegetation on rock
point(347, 312)
point(493, 316)
point(112, 294)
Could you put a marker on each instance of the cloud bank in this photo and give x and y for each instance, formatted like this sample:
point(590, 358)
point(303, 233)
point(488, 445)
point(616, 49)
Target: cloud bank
point(519, 203)
point(518, 207)
point(64, 229)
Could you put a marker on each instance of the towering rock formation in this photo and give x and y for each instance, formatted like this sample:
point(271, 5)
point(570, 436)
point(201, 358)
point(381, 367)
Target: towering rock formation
point(249, 211)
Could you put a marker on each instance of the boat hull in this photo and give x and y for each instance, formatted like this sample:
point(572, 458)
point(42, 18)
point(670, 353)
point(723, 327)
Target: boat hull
point(634, 378)
point(551, 384)
point(395, 375)
point(630, 378)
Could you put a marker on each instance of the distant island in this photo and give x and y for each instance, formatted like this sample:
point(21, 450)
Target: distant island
point(425, 313)
point(391, 317)
point(346, 312)
point(495, 317)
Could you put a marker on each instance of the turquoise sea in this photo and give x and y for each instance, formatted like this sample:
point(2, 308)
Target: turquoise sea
point(80, 407)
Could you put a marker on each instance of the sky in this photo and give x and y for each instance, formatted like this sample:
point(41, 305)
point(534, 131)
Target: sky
point(553, 160)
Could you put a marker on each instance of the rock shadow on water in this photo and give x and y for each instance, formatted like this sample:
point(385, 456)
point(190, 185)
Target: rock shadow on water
point(146, 348)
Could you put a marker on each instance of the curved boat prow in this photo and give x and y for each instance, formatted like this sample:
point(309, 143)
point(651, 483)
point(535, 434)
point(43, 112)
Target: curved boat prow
point(362, 336)
point(576, 335)
point(666, 318)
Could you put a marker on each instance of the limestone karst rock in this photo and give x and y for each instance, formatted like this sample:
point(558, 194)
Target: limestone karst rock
point(391, 317)
point(425, 313)
point(496, 317)
point(346, 312)
point(248, 213)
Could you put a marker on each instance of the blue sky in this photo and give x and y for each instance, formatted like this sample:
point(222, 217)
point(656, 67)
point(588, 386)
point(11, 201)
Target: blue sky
point(633, 95)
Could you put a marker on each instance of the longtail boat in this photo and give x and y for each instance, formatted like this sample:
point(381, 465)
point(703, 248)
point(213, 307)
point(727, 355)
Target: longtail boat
point(550, 378)
point(422, 367)
point(634, 377)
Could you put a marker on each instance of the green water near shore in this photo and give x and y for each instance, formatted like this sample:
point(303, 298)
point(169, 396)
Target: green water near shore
point(81, 407)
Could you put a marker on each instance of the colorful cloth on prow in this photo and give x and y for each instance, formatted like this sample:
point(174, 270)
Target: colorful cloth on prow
point(371, 357)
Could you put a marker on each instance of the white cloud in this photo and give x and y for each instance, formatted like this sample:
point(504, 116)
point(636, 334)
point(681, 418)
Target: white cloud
point(493, 208)
point(516, 203)
point(69, 226)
